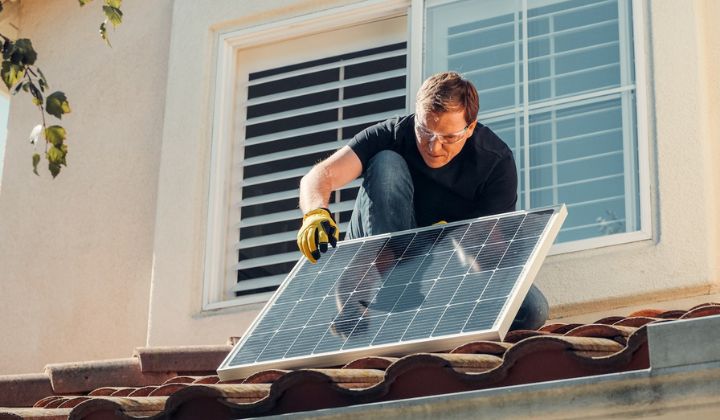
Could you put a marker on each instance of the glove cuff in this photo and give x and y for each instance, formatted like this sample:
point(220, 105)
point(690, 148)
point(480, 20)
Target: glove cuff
point(319, 210)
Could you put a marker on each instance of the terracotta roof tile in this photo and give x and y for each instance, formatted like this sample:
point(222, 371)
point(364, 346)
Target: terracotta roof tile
point(68, 378)
point(486, 347)
point(173, 381)
point(702, 310)
point(181, 359)
point(23, 389)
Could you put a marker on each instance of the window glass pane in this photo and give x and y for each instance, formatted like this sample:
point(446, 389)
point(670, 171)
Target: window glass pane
point(580, 85)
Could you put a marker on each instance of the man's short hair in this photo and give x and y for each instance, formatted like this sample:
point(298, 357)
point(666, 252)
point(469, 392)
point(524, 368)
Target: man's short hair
point(448, 91)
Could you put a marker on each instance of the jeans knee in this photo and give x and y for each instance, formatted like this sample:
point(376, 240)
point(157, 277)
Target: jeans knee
point(533, 312)
point(388, 171)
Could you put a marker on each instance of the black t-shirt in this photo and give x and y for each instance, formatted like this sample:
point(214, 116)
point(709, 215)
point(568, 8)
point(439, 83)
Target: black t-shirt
point(480, 180)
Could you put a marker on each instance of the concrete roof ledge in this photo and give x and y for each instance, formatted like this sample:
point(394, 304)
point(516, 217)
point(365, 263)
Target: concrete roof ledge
point(684, 342)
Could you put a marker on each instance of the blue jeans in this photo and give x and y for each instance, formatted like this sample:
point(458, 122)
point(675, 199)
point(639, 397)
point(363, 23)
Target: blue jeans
point(385, 204)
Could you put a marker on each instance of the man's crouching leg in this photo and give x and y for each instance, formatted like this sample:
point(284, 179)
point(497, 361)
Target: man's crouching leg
point(533, 312)
point(385, 199)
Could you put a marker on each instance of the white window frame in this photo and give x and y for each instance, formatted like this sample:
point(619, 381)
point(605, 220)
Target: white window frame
point(220, 256)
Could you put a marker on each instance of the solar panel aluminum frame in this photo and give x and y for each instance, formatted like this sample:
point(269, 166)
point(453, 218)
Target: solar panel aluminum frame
point(498, 331)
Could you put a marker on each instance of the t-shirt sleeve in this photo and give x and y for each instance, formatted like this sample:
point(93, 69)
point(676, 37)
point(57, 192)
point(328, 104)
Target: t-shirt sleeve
point(500, 192)
point(373, 139)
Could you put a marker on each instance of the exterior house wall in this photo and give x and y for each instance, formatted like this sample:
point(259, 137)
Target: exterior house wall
point(679, 261)
point(76, 252)
point(125, 225)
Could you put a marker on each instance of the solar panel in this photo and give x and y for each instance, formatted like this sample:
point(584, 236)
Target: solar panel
point(426, 289)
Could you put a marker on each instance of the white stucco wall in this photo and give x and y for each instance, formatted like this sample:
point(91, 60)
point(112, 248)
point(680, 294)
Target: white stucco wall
point(76, 252)
point(680, 260)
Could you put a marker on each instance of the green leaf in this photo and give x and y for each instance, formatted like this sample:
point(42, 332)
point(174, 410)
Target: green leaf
point(55, 134)
point(7, 48)
point(84, 2)
point(36, 160)
point(43, 80)
point(55, 155)
point(114, 3)
point(113, 14)
point(103, 34)
point(23, 52)
point(17, 88)
point(35, 92)
point(54, 169)
point(11, 73)
point(56, 104)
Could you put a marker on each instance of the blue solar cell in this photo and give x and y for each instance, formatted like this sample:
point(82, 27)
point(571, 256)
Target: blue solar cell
point(394, 327)
point(453, 319)
point(423, 323)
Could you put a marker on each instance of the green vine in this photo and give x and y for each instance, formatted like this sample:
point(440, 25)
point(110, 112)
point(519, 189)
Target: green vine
point(19, 72)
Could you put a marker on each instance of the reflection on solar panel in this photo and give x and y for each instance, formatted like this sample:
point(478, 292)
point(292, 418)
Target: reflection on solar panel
point(426, 289)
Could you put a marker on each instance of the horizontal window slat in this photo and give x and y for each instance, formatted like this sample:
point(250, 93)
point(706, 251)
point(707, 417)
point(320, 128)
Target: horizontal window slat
point(591, 225)
point(327, 106)
point(366, 119)
point(283, 195)
point(274, 177)
point(289, 215)
point(575, 160)
point(558, 103)
point(274, 239)
point(275, 259)
point(573, 138)
point(555, 77)
point(559, 54)
point(258, 283)
point(579, 182)
point(467, 53)
point(300, 151)
point(334, 65)
point(326, 86)
point(268, 260)
point(531, 18)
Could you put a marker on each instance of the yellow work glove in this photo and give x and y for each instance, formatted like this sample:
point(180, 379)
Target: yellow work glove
point(317, 230)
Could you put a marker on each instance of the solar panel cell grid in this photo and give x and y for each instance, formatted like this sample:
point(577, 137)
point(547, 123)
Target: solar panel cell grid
point(425, 284)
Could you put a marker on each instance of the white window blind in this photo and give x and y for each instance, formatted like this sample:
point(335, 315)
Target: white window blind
point(555, 78)
point(296, 115)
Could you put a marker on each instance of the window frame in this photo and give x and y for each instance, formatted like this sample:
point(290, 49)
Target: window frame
point(219, 256)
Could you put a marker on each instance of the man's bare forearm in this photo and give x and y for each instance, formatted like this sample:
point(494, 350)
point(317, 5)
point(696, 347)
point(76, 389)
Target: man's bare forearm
point(315, 189)
point(327, 176)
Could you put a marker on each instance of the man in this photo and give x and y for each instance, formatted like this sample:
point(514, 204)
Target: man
point(438, 165)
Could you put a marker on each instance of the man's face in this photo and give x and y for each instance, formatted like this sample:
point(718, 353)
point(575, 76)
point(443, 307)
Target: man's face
point(440, 137)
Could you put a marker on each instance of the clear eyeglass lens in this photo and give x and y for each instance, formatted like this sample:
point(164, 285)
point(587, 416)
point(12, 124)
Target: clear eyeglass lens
point(426, 135)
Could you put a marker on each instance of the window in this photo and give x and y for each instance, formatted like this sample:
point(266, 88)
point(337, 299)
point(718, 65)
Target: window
point(297, 111)
point(555, 78)
point(557, 82)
